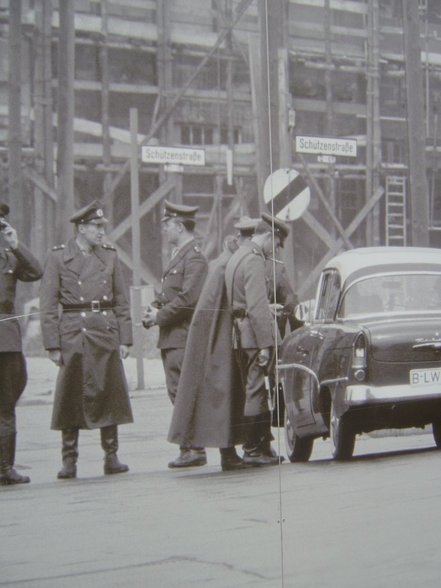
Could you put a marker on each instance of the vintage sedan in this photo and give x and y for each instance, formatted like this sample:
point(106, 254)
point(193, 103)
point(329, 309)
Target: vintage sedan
point(370, 358)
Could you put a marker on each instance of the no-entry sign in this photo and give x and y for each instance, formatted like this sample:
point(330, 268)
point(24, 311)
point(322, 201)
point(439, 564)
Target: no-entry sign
point(286, 194)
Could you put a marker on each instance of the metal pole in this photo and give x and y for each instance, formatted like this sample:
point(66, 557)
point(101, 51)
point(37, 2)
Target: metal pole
point(136, 247)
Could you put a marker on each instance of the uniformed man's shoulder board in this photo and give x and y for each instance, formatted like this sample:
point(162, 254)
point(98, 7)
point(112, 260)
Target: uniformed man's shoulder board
point(58, 247)
point(108, 246)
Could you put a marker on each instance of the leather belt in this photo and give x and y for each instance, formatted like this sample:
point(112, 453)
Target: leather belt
point(93, 306)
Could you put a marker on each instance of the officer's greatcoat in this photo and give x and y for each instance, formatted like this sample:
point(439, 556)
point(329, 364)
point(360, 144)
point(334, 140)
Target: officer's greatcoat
point(209, 403)
point(91, 390)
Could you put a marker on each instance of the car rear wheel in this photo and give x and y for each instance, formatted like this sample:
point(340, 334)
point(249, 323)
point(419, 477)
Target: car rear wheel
point(436, 429)
point(342, 437)
point(298, 449)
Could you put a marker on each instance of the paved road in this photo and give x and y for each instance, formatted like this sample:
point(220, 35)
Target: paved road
point(373, 522)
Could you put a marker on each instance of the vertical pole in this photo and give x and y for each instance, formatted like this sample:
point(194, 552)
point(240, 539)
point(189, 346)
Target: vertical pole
point(49, 171)
point(136, 246)
point(38, 233)
point(329, 107)
point(104, 61)
point(376, 122)
point(65, 158)
point(14, 126)
point(416, 125)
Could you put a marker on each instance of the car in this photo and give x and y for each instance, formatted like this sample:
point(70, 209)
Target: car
point(370, 356)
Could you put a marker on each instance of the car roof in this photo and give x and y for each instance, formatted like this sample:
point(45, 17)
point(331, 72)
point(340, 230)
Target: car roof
point(361, 258)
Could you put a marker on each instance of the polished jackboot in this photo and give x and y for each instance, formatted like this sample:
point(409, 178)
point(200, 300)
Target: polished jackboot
point(189, 457)
point(257, 439)
point(109, 443)
point(230, 461)
point(69, 454)
point(9, 475)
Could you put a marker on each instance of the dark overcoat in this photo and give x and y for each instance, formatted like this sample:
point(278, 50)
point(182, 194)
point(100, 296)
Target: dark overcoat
point(91, 390)
point(209, 402)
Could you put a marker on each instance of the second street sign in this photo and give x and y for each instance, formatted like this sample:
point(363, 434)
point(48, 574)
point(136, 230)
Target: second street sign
point(326, 146)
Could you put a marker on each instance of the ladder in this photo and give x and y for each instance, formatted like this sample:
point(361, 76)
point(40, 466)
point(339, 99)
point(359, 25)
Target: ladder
point(396, 210)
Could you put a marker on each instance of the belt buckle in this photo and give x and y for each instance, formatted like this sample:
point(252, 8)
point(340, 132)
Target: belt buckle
point(95, 306)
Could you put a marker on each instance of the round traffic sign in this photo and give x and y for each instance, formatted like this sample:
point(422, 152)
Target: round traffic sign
point(286, 194)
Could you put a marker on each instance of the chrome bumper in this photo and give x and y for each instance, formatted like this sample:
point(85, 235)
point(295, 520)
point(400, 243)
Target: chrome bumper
point(364, 394)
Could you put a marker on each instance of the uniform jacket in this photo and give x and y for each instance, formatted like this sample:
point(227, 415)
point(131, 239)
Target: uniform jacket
point(209, 403)
point(91, 389)
point(17, 264)
point(182, 282)
point(246, 291)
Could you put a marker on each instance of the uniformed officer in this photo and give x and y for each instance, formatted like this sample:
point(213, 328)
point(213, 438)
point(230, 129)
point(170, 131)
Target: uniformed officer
point(182, 283)
point(88, 339)
point(16, 263)
point(254, 338)
point(280, 291)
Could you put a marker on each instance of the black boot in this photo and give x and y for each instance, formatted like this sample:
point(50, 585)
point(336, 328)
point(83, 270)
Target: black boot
point(109, 443)
point(257, 431)
point(230, 460)
point(7, 458)
point(69, 453)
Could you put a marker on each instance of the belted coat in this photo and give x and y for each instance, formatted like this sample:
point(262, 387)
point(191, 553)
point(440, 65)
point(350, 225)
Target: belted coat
point(247, 292)
point(91, 390)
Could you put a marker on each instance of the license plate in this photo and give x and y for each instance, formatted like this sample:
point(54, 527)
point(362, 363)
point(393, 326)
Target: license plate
point(425, 377)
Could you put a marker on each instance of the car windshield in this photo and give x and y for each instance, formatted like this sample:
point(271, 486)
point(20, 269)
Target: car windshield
point(393, 293)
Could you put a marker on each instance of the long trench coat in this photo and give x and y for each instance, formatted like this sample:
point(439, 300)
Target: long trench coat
point(91, 390)
point(209, 404)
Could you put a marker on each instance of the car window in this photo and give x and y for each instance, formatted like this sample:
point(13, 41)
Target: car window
point(328, 296)
point(392, 293)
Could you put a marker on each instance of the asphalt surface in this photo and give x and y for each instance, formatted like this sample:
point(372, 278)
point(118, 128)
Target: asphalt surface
point(373, 522)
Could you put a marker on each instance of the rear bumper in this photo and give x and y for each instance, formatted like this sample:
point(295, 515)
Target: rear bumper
point(363, 394)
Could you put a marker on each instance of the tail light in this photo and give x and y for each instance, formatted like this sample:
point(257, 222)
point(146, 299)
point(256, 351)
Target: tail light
point(359, 358)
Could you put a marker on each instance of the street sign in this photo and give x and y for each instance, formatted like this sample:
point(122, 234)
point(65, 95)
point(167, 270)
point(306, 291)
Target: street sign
point(173, 155)
point(286, 194)
point(326, 146)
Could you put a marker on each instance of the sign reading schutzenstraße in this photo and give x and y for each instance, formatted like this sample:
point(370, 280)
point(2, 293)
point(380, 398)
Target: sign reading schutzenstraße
point(326, 146)
point(173, 155)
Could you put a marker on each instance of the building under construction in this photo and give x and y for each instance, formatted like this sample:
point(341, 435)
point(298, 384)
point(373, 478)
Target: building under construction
point(85, 83)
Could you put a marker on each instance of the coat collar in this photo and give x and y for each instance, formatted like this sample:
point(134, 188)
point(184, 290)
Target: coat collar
point(180, 255)
point(72, 254)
